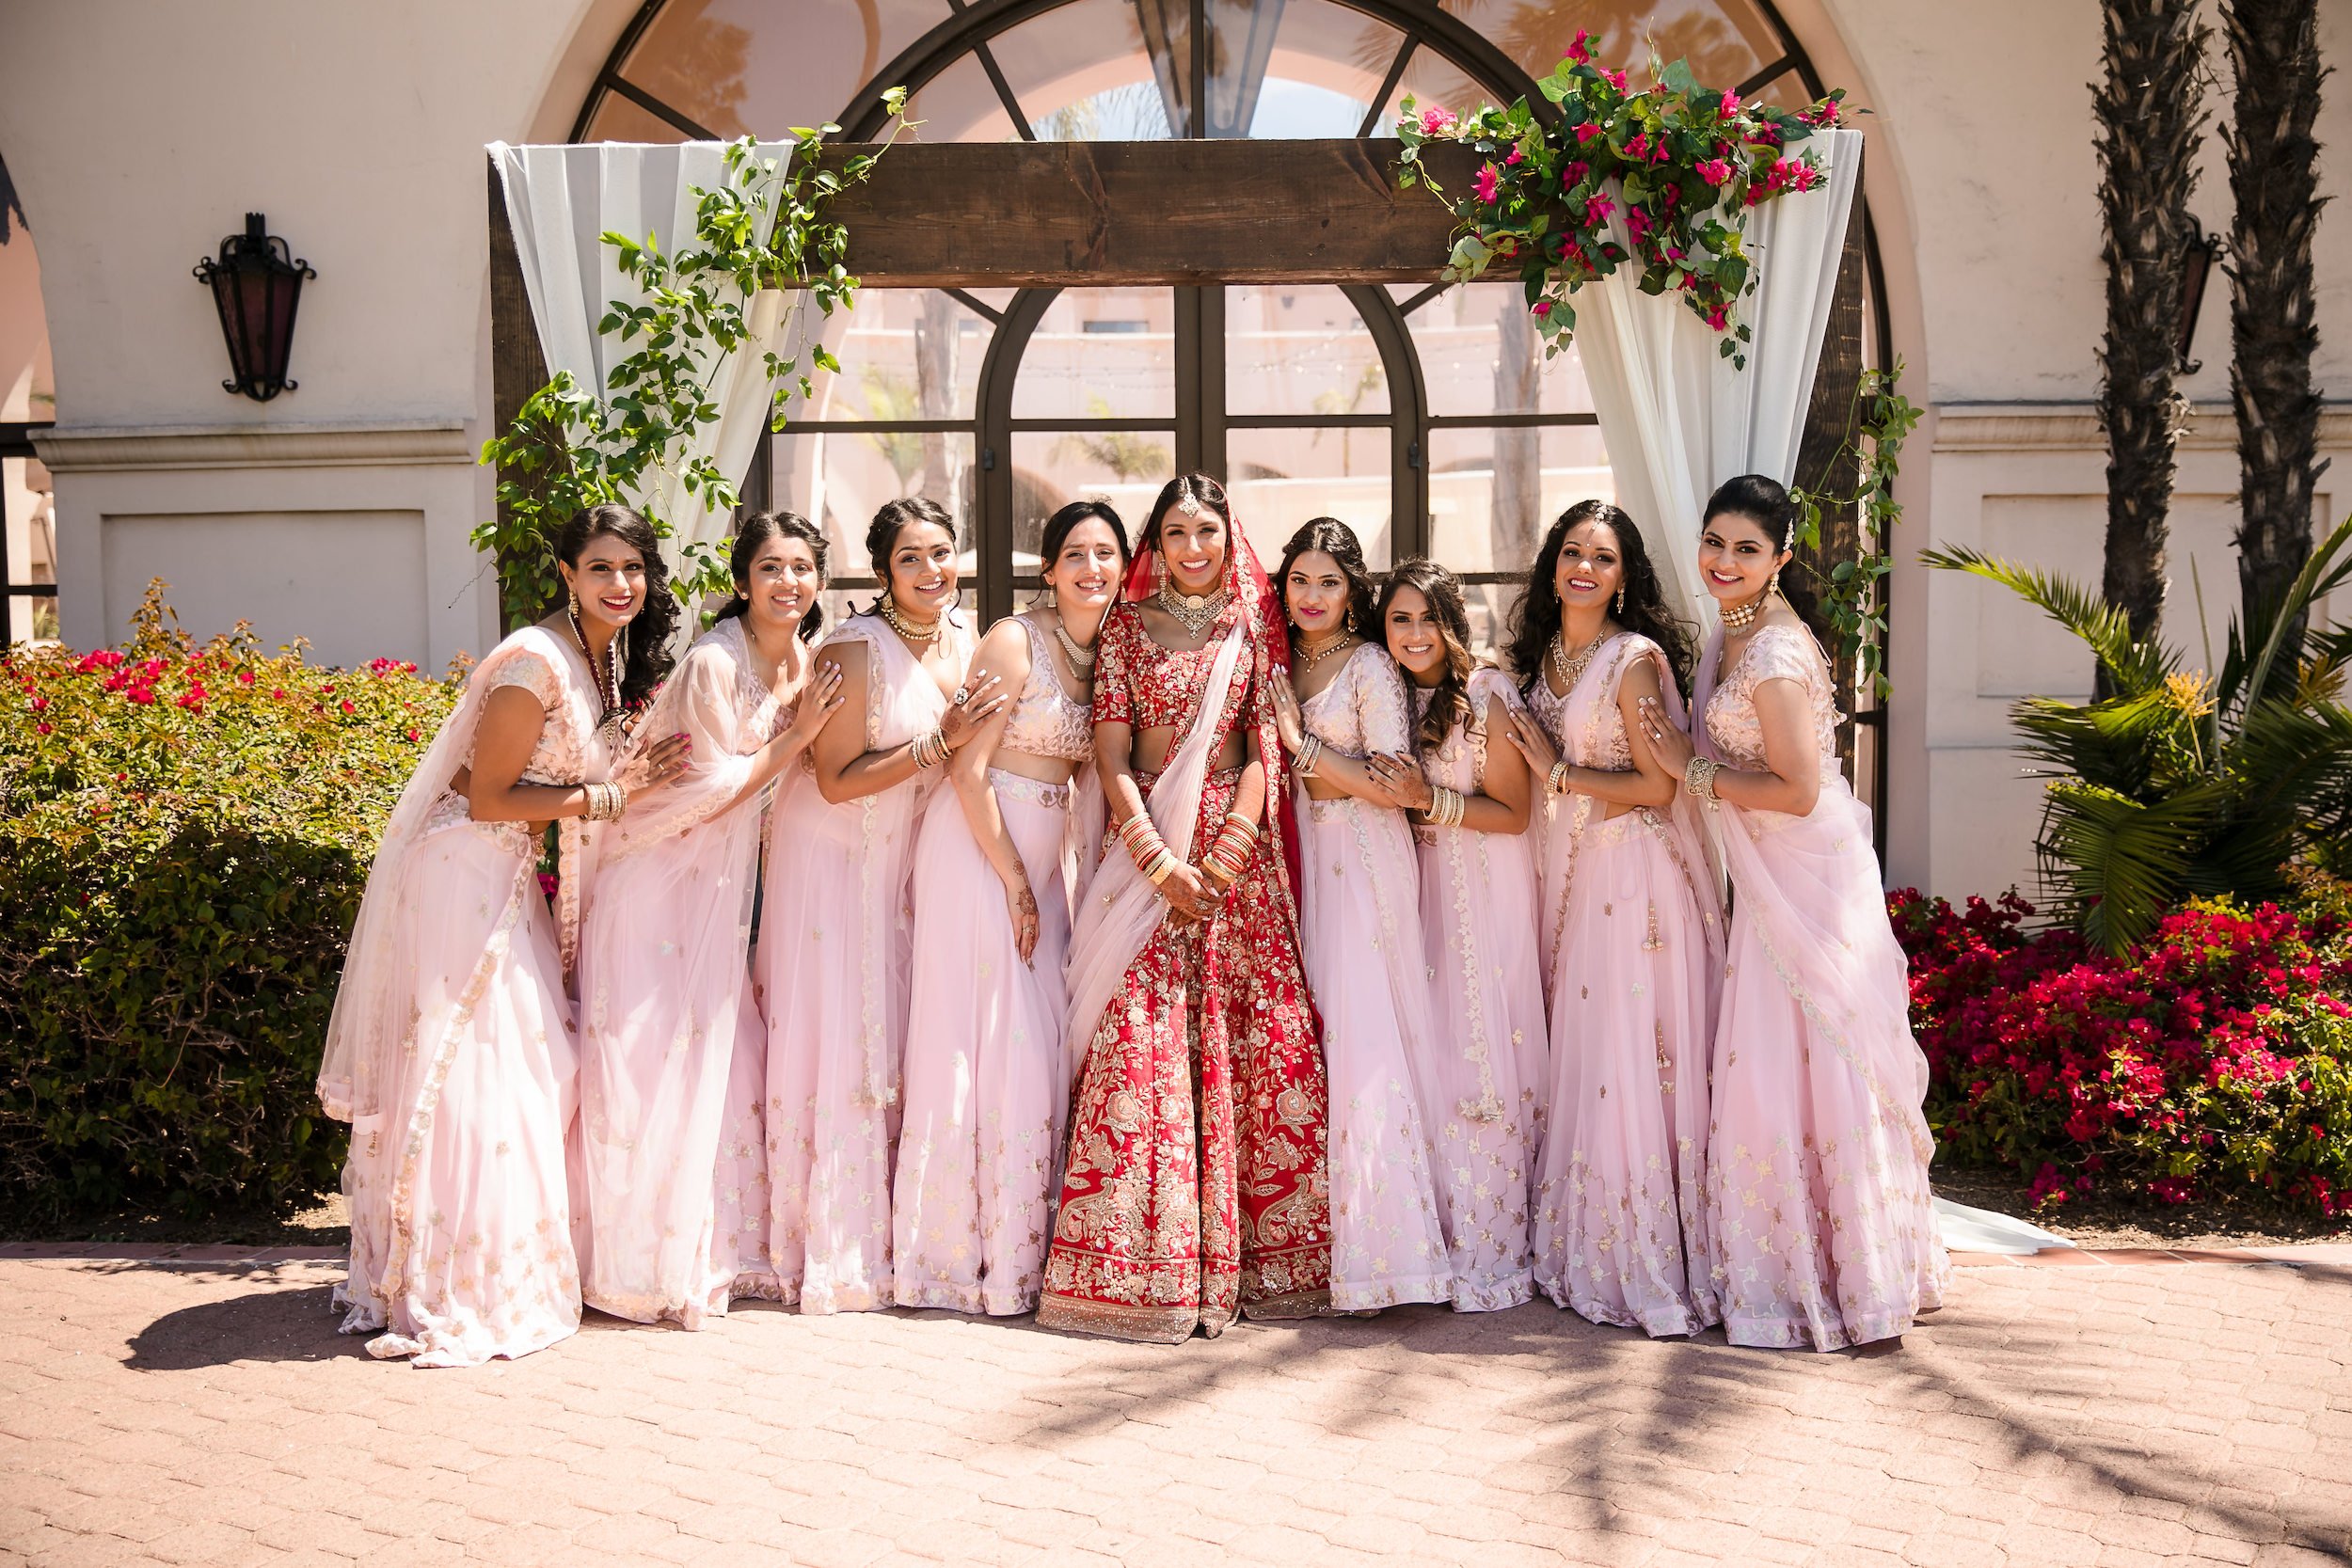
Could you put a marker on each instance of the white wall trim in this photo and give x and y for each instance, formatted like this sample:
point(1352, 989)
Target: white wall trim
point(2004, 427)
point(123, 449)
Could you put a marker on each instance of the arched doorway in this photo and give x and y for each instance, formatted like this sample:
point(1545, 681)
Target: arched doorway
point(1424, 415)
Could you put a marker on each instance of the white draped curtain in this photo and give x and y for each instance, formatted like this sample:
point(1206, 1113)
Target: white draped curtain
point(1678, 420)
point(559, 201)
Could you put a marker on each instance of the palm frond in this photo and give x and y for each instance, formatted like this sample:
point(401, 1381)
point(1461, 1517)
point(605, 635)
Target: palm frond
point(2115, 862)
point(2134, 666)
point(2246, 678)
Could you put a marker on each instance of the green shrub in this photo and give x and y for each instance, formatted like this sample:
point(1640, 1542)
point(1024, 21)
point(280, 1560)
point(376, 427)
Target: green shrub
point(185, 834)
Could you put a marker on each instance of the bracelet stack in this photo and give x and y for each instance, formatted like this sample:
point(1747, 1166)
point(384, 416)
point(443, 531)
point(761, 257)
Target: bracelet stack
point(931, 749)
point(1557, 782)
point(1140, 837)
point(1229, 857)
point(1698, 779)
point(1445, 807)
point(1308, 755)
point(606, 801)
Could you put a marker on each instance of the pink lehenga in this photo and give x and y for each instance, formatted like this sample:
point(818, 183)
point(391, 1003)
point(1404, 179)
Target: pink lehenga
point(672, 1051)
point(986, 1088)
point(1360, 933)
point(1636, 941)
point(1487, 1079)
point(834, 942)
point(1817, 1187)
point(450, 1049)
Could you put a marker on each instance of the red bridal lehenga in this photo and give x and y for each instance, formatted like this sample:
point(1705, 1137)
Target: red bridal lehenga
point(1196, 1184)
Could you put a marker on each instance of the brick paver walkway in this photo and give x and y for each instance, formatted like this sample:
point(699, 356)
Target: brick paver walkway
point(183, 1412)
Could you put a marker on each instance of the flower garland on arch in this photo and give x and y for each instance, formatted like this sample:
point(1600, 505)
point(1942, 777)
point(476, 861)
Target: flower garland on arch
point(1679, 166)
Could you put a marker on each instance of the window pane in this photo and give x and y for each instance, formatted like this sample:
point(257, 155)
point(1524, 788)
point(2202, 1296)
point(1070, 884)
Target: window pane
point(960, 105)
point(1326, 64)
point(839, 480)
point(1052, 468)
point(1431, 82)
point(1280, 479)
point(1724, 40)
point(1101, 354)
point(906, 354)
point(1480, 355)
point(1083, 74)
point(1493, 492)
point(1299, 349)
point(750, 65)
point(618, 119)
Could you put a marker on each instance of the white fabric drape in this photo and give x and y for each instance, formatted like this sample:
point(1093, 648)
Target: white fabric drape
point(1677, 417)
point(559, 200)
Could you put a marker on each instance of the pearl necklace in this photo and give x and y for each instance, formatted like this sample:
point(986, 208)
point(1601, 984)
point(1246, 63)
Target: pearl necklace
point(1081, 656)
point(1569, 669)
point(1310, 657)
point(1741, 617)
point(914, 631)
point(1197, 613)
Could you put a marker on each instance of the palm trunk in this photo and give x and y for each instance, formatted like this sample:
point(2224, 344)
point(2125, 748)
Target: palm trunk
point(2151, 114)
point(2274, 54)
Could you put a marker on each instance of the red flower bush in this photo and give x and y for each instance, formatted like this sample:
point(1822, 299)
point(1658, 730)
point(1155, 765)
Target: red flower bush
point(2213, 1061)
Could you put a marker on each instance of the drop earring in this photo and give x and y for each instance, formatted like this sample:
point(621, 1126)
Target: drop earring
point(1774, 587)
point(1621, 599)
point(575, 603)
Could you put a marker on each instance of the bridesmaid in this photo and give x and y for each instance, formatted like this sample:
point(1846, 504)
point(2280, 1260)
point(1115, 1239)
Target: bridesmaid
point(836, 938)
point(449, 1051)
point(1816, 1188)
point(672, 1051)
point(1487, 1079)
point(1636, 936)
point(985, 1082)
point(1360, 925)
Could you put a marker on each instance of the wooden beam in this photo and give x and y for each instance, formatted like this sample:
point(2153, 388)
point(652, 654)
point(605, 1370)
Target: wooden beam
point(1824, 460)
point(1089, 214)
point(518, 368)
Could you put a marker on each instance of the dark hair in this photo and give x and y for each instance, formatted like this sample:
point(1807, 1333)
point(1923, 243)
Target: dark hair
point(649, 654)
point(756, 530)
point(1764, 501)
point(893, 518)
point(1449, 700)
point(1338, 541)
point(1536, 619)
point(1062, 524)
point(1198, 488)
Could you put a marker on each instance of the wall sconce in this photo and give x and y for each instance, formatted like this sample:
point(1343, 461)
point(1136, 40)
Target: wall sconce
point(2197, 258)
point(256, 283)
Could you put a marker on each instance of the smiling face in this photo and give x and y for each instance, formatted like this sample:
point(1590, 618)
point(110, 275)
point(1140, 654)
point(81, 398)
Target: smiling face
point(1415, 639)
point(783, 585)
point(1194, 546)
point(923, 570)
point(1085, 572)
point(1315, 592)
point(1591, 567)
point(1737, 555)
point(609, 578)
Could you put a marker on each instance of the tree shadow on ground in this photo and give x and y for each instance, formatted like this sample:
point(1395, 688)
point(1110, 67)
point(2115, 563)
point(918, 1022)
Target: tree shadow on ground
point(259, 1325)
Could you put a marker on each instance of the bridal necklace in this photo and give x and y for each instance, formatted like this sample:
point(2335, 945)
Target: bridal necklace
point(1570, 667)
point(1197, 613)
point(1741, 617)
point(609, 678)
point(1081, 656)
point(1311, 655)
point(914, 631)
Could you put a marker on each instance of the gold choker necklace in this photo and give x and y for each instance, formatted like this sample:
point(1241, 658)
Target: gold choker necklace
point(912, 630)
point(1741, 617)
point(1197, 613)
point(1310, 657)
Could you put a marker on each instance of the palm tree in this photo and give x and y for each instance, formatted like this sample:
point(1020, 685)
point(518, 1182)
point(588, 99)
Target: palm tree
point(2179, 785)
point(2274, 53)
point(2151, 114)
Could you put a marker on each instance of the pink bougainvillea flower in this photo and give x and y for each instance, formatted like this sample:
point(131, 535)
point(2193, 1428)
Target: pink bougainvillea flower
point(1731, 103)
point(143, 695)
point(1577, 169)
point(1637, 223)
point(1541, 307)
point(412, 735)
point(1579, 48)
point(244, 678)
point(1586, 131)
point(39, 702)
point(1437, 119)
point(1639, 146)
point(44, 729)
point(1715, 171)
point(1490, 184)
point(1518, 155)
point(1597, 210)
point(1719, 318)
point(1616, 79)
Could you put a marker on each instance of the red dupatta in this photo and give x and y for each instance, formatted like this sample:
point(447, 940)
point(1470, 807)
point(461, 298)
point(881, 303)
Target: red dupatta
point(1259, 611)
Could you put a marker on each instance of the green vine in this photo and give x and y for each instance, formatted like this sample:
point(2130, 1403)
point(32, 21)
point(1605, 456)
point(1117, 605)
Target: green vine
point(1851, 599)
point(569, 446)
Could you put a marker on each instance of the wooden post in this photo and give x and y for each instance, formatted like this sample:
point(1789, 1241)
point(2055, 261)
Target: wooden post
point(518, 366)
point(1824, 459)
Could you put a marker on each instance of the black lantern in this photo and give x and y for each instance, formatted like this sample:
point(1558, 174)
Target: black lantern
point(2196, 259)
point(256, 284)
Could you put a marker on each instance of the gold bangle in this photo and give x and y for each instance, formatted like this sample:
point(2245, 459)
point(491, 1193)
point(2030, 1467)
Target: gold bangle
point(1308, 755)
point(1698, 778)
point(1556, 782)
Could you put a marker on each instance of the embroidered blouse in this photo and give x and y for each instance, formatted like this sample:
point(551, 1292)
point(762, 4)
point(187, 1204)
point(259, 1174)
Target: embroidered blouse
point(1138, 682)
point(1774, 653)
point(1047, 721)
point(560, 755)
point(1460, 763)
point(1364, 709)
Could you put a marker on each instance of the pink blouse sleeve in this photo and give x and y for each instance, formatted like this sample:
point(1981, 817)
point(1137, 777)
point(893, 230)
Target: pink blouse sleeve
point(527, 669)
point(1783, 654)
point(1384, 714)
